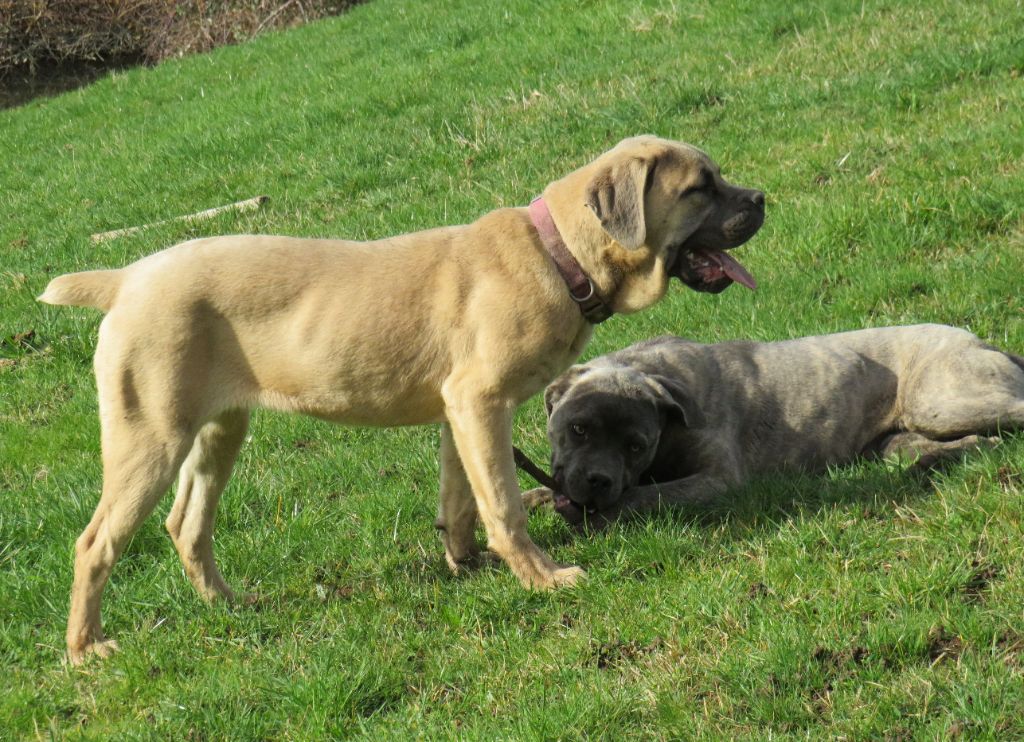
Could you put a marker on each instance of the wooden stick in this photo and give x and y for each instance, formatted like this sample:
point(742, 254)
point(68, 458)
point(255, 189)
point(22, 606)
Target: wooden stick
point(247, 205)
point(540, 476)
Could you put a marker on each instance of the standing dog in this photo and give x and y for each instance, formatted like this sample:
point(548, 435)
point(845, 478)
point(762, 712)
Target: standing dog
point(673, 422)
point(456, 325)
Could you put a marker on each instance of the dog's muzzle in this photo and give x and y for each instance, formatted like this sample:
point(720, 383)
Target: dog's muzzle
point(701, 261)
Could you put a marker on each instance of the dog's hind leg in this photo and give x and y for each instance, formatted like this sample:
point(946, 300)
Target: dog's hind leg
point(457, 514)
point(983, 414)
point(925, 453)
point(139, 462)
point(979, 391)
point(202, 479)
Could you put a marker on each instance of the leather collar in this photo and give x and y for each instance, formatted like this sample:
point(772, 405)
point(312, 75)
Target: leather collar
point(581, 288)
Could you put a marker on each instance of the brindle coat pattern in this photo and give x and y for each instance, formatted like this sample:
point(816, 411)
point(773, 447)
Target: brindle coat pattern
point(673, 422)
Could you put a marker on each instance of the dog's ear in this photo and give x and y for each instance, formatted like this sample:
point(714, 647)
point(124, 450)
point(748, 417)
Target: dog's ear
point(557, 388)
point(676, 400)
point(616, 196)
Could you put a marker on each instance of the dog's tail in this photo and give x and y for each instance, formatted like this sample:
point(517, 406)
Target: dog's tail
point(97, 289)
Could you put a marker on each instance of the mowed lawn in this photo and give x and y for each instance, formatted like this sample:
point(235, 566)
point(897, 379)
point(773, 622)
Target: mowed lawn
point(866, 603)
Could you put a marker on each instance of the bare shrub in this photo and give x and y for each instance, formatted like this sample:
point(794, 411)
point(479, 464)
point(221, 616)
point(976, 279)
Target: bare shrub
point(36, 32)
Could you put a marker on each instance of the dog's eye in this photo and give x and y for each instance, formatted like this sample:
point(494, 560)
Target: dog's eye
point(700, 188)
point(637, 447)
point(579, 430)
point(705, 184)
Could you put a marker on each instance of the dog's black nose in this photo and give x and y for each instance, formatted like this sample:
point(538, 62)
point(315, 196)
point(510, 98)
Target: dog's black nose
point(757, 198)
point(599, 483)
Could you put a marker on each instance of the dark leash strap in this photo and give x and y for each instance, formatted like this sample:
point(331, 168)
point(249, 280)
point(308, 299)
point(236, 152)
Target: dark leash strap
point(542, 478)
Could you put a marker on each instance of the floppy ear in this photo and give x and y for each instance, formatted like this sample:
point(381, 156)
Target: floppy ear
point(557, 388)
point(676, 400)
point(616, 196)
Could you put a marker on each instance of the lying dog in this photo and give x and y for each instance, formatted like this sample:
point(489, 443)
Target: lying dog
point(673, 422)
point(456, 325)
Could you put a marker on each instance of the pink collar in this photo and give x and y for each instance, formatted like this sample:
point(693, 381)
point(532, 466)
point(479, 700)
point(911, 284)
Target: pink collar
point(581, 288)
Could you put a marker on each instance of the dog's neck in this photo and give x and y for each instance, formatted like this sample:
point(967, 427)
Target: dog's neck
point(619, 275)
point(581, 288)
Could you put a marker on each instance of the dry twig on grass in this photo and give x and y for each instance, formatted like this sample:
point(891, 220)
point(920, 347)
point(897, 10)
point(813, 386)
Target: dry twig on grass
point(246, 205)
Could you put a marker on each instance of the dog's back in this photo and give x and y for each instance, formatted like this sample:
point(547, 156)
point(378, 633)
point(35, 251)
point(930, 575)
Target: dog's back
point(810, 402)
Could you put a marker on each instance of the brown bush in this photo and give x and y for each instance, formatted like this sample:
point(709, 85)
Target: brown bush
point(38, 32)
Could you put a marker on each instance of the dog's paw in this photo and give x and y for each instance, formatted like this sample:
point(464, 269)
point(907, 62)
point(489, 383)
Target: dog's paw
point(535, 569)
point(568, 576)
point(559, 577)
point(247, 600)
point(538, 497)
point(474, 560)
point(98, 649)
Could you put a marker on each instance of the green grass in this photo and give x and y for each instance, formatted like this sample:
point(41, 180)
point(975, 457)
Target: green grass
point(863, 604)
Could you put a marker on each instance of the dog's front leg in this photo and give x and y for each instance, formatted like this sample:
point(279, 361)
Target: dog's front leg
point(481, 427)
point(457, 514)
point(697, 490)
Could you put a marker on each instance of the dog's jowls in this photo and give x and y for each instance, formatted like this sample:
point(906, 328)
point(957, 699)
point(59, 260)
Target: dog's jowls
point(456, 325)
point(672, 422)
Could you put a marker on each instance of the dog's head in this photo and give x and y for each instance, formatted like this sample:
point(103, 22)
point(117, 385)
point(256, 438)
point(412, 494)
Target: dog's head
point(604, 424)
point(655, 209)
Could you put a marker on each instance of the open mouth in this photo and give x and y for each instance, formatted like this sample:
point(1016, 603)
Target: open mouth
point(702, 262)
point(711, 270)
point(571, 511)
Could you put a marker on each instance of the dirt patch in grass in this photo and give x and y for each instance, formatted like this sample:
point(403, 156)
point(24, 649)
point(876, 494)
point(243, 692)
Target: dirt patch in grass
point(837, 661)
point(52, 46)
point(943, 645)
point(615, 654)
point(1010, 646)
point(1009, 479)
point(977, 584)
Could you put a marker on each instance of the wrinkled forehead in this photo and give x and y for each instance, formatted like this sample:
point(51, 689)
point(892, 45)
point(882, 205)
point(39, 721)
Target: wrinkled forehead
point(692, 162)
point(688, 154)
point(601, 412)
point(665, 150)
point(614, 394)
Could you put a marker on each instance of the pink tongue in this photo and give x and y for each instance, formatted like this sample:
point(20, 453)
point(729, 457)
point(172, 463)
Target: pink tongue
point(732, 268)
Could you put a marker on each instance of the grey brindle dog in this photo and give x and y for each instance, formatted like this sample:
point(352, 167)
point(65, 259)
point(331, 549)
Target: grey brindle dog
point(673, 422)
